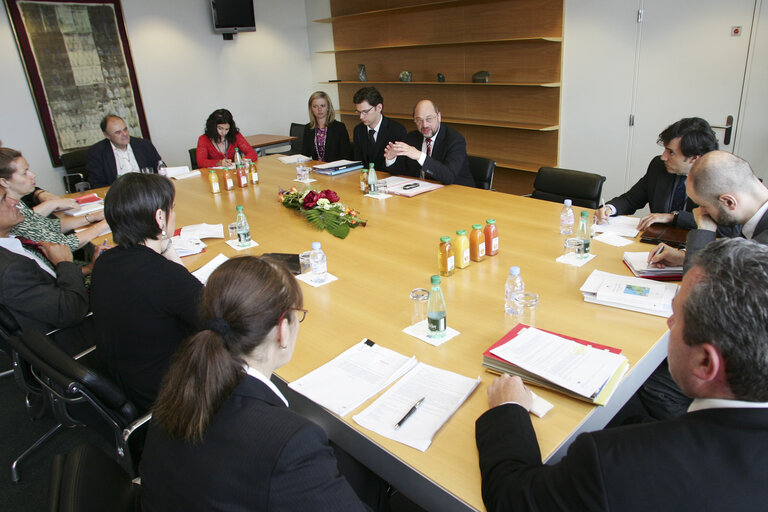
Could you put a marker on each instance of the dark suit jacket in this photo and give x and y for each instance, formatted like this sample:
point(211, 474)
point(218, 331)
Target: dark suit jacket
point(697, 239)
point(709, 460)
point(389, 131)
point(655, 189)
point(144, 306)
point(448, 163)
point(256, 455)
point(336, 142)
point(100, 160)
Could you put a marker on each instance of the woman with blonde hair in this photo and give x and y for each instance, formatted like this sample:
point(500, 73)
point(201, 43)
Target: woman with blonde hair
point(325, 138)
point(222, 436)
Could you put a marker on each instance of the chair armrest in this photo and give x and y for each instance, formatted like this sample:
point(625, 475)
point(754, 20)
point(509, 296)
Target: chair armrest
point(138, 423)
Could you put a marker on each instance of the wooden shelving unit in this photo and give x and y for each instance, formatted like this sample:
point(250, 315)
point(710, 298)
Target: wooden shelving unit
point(514, 119)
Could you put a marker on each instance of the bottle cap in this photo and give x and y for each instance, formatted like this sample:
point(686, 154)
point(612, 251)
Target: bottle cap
point(490, 221)
point(239, 208)
point(477, 226)
point(514, 271)
point(445, 239)
point(461, 232)
point(584, 214)
point(315, 246)
point(434, 280)
point(567, 202)
point(211, 171)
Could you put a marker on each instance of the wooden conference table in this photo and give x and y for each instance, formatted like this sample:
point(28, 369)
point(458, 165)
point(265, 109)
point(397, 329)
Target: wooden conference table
point(380, 264)
point(262, 141)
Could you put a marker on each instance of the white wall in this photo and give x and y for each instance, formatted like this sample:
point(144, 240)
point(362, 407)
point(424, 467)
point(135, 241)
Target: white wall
point(185, 71)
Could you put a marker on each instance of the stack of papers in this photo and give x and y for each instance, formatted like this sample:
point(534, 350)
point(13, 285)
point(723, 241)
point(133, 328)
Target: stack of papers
point(638, 264)
point(181, 173)
point(621, 226)
point(85, 209)
point(293, 159)
point(203, 273)
point(353, 377)
point(443, 392)
point(338, 167)
point(90, 198)
point(397, 185)
point(577, 368)
point(203, 231)
point(633, 293)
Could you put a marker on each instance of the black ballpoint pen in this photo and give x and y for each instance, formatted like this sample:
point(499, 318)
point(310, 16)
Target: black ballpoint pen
point(409, 413)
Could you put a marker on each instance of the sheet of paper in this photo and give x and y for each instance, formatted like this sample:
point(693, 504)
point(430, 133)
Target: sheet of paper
point(639, 262)
point(621, 226)
point(85, 209)
point(203, 273)
point(421, 331)
point(579, 368)
point(354, 376)
point(191, 174)
point(443, 393)
point(293, 159)
point(574, 259)
point(235, 244)
point(612, 239)
point(203, 231)
point(307, 278)
point(187, 246)
point(173, 172)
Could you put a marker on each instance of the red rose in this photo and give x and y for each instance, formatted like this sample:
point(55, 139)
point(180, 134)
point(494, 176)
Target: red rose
point(310, 200)
point(330, 195)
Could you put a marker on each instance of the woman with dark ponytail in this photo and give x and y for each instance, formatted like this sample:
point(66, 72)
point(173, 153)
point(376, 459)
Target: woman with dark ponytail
point(222, 436)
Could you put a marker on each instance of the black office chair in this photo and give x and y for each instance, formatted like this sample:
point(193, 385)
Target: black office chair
point(87, 480)
point(482, 170)
point(296, 130)
point(193, 158)
point(555, 184)
point(74, 165)
point(75, 392)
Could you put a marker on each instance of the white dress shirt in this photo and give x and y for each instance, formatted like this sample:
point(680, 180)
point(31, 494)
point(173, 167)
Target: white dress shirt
point(14, 245)
point(125, 160)
point(253, 372)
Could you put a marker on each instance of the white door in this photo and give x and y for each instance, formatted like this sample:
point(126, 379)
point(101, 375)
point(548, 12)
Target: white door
point(691, 62)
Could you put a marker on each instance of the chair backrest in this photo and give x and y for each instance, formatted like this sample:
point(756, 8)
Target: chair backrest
point(297, 130)
point(556, 184)
point(87, 480)
point(482, 170)
point(193, 158)
point(74, 165)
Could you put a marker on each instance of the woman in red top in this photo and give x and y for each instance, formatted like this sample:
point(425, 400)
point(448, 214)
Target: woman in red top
point(216, 147)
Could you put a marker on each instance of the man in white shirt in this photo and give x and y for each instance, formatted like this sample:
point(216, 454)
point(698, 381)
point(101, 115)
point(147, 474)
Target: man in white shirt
point(118, 153)
point(714, 457)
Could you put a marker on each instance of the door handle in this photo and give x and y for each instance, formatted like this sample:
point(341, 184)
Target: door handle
point(728, 127)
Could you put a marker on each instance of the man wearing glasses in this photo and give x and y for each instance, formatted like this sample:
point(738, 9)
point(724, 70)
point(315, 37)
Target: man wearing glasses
point(375, 131)
point(432, 151)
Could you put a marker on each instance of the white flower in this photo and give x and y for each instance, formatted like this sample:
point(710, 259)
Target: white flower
point(323, 202)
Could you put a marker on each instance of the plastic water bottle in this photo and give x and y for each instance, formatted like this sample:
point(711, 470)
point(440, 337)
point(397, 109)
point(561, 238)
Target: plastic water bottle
point(436, 310)
point(243, 230)
point(162, 169)
point(513, 286)
point(583, 233)
point(318, 265)
point(373, 181)
point(566, 218)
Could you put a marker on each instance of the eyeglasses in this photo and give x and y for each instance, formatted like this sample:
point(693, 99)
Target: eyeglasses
point(428, 119)
point(363, 112)
point(301, 314)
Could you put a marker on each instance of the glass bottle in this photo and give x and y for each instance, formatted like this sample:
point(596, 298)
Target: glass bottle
point(242, 176)
point(476, 243)
point(254, 172)
point(461, 249)
point(229, 183)
point(513, 286)
point(238, 156)
point(491, 233)
point(373, 181)
point(566, 218)
point(243, 230)
point(436, 310)
point(445, 257)
point(583, 233)
point(364, 180)
point(213, 178)
point(162, 169)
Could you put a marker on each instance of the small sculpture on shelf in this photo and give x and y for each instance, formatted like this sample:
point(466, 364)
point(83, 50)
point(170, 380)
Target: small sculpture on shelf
point(481, 77)
point(406, 76)
point(361, 74)
point(440, 77)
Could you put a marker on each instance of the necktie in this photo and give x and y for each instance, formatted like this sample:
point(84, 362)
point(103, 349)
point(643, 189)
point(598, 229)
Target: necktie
point(371, 144)
point(678, 196)
point(429, 147)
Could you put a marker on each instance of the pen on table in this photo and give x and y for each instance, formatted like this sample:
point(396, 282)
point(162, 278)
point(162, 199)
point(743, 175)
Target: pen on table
point(409, 413)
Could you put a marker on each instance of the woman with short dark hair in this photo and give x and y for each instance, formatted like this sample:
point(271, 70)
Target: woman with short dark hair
point(144, 301)
point(216, 147)
point(222, 437)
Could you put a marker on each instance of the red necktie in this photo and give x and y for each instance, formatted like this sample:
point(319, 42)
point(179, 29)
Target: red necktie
point(429, 147)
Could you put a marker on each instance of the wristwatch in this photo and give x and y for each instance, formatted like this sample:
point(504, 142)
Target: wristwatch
point(674, 219)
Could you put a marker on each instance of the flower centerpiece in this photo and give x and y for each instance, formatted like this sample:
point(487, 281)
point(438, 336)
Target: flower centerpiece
point(323, 210)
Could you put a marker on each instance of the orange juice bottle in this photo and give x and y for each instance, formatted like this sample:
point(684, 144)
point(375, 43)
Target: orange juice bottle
point(214, 179)
point(445, 258)
point(229, 183)
point(461, 249)
point(476, 243)
point(491, 233)
point(254, 173)
point(242, 176)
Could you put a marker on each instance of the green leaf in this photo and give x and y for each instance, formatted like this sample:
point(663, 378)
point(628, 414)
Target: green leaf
point(315, 217)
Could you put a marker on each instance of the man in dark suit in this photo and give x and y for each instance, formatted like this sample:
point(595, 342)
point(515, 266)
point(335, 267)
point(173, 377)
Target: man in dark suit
point(118, 153)
point(714, 457)
point(375, 131)
point(434, 151)
point(41, 287)
point(662, 187)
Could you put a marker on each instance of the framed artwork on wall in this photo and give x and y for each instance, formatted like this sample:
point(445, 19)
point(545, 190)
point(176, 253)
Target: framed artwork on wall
point(79, 68)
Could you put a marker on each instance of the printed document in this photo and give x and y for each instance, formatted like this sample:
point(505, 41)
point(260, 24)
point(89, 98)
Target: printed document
point(621, 225)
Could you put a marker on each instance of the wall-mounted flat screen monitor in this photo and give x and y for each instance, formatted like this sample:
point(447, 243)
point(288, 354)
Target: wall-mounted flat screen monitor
point(232, 16)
